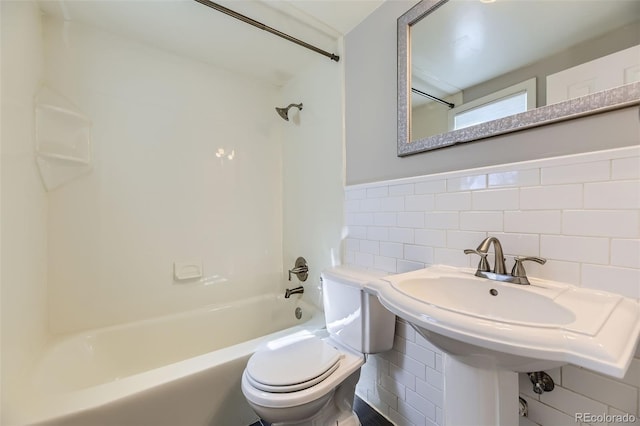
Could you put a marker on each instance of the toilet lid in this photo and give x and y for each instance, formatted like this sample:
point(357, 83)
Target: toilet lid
point(294, 366)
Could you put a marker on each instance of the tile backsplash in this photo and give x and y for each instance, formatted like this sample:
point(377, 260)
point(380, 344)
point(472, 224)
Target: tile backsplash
point(580, 212)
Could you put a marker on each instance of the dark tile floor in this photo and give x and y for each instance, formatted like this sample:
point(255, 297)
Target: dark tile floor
point(367, 415)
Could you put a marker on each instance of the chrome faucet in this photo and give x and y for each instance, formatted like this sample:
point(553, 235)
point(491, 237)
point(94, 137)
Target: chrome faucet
point(499, 266)
point(288, 292)
point(518, 274)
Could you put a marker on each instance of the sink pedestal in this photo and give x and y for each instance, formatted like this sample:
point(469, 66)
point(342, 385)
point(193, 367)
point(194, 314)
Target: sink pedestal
point(489, 330)
point(478, 396)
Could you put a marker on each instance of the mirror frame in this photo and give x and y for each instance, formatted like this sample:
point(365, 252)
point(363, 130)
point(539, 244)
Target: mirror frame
point(594, 103)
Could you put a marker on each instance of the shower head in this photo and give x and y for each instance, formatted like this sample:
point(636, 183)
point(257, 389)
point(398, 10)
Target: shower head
point(284, 112)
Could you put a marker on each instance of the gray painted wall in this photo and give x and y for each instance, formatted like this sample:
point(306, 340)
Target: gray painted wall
point(370, 108)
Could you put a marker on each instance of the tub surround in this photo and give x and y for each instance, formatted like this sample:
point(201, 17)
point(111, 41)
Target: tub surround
point(23, 201)
point(158, 194)
point(312, 190)
point(580, 212)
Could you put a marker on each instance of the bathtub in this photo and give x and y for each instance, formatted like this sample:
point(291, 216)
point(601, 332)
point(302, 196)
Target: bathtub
point(176, 370)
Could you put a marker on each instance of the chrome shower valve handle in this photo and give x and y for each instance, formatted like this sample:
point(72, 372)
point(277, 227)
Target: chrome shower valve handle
point(300, 269)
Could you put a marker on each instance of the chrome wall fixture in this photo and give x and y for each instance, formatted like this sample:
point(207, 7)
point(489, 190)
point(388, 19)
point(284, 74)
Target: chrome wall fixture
point(524, 407)
point(267, 28)
point(301, 270)
point(541, 381)
point(284, 112)
point(288, 292)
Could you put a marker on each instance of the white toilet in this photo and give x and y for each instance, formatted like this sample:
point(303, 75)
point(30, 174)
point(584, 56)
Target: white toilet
point(311, 381)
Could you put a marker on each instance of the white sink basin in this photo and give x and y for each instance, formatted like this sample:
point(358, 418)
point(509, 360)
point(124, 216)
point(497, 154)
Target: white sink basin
point(487, 299)
point(514, 327)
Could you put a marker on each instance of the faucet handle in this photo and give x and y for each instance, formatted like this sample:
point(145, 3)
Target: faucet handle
point(518, 268)
point(301, 270)
point(483, 266)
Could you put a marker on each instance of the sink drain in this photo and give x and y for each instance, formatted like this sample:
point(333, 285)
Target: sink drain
point(298, 313)
point(493, 292)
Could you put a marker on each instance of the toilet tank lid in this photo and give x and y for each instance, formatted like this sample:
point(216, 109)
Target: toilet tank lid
point(351, 275)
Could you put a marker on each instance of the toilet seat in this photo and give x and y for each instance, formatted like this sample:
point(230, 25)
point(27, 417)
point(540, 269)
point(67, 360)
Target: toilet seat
point(292, 367)
point(349, 363)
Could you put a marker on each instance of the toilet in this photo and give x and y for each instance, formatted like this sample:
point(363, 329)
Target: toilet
point(309, 380)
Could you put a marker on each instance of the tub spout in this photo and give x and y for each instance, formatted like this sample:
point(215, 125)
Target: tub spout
point(288, 292)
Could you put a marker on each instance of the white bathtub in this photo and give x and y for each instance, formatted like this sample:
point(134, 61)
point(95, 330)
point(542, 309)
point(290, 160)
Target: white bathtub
point(176, 370)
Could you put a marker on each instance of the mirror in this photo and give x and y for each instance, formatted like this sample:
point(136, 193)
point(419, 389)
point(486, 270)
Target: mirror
point(472, 69)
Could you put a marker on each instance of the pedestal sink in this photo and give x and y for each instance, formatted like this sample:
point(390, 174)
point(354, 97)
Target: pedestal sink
point(490, 330)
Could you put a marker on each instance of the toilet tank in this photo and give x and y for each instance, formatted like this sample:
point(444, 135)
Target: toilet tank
point(353, 316)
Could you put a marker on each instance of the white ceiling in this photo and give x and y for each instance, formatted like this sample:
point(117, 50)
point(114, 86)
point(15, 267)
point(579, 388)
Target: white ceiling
point(342, 15)
point(191, 29)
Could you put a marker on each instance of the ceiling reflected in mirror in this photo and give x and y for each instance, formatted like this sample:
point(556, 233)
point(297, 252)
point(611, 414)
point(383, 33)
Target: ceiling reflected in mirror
point(468, 54)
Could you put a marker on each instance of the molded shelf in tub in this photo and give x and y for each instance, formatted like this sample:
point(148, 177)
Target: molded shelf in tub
point(63, 139)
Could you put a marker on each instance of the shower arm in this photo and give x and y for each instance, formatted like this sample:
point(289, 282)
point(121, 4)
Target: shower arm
point(284, 112)
point(267, 28)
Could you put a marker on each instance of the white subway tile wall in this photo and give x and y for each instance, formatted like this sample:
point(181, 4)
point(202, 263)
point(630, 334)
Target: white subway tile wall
point(581, 213)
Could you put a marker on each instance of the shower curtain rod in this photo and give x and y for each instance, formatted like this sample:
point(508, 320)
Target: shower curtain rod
point(426, 95)
point(267, 28)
